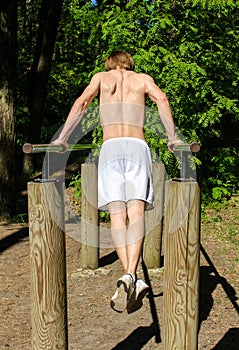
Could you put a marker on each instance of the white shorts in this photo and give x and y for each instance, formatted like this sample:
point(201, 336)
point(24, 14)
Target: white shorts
point(125, 172)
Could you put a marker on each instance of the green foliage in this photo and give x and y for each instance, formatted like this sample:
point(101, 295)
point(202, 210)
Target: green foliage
point(104, 216)
point(20, 218)
point(97, 139)
point(221, 173)
point(76, 185)
point(77, 191)
point(189, 47)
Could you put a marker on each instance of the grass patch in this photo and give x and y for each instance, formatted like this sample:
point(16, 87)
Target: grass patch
point(222, 220)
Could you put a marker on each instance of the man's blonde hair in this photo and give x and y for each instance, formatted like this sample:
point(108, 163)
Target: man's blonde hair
point(119, 58)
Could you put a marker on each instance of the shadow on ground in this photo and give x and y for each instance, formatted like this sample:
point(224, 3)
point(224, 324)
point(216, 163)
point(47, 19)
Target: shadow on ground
point(14, 238)
point(209, 279)
point(230, 341)
point(137, 339)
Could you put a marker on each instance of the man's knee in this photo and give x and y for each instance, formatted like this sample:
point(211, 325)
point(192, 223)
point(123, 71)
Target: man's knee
point(136, 211)
point(118, 213)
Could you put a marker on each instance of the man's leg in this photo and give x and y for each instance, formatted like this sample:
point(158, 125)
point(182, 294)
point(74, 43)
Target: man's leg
point(125, 285)
point(118, 217)
point(128, 241)
point(135, 234)
point(135, 237)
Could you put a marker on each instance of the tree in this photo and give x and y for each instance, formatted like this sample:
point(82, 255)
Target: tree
point(8, 63)
point(49, 20)
point(39, 60)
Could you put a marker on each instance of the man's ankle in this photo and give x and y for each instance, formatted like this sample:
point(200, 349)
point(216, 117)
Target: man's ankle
point(133, 275)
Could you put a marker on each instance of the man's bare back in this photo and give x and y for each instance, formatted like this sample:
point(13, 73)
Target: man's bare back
point(122, 96)
point(122, 104)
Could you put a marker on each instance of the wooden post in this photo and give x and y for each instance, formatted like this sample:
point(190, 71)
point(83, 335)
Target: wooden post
point(48, 265)
point(154, 220)
point(181, 261)
point(89, 248)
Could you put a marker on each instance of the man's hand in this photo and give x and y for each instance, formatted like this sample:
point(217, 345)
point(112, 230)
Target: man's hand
point(61, 143)
point(172, 144)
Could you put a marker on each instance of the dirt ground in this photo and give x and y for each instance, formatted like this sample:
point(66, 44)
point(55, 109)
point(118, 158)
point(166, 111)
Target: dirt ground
point(92, 324)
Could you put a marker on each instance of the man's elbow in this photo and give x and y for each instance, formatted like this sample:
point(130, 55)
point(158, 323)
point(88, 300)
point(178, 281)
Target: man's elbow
point(79, 104)
point(162, 100)
point(77, 108)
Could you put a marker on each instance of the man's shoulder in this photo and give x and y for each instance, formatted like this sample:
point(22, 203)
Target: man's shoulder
point(146, 76)
point(143, 76)
point(97, 78)
point(130, 74)
point(102, 75)
point(98, 75)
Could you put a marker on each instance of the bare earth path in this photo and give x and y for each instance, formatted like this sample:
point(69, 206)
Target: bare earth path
point(91, 322)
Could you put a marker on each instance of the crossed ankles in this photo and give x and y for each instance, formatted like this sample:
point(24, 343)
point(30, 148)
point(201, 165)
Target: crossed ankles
point(125, 289)
point(136, 301)
point(129, 294)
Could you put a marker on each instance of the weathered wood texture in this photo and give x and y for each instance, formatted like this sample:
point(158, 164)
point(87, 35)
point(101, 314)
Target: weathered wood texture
point(154, 220)
point(181, 259)
point(89, 248)
point(48, 266)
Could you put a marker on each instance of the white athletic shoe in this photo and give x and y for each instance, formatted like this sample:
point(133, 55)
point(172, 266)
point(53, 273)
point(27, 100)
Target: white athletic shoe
point(135, 303)
point(124, 292)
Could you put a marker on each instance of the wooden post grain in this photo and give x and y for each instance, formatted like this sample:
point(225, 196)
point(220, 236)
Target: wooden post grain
point(89, 248)
point(48, 265)
point(181, 261)
point(154, 220)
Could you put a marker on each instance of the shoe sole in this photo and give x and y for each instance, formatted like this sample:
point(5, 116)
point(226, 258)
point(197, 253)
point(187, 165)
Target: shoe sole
point(138, 303)
point(119, 304)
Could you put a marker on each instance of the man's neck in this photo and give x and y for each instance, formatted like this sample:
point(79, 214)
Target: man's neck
point(120, 69)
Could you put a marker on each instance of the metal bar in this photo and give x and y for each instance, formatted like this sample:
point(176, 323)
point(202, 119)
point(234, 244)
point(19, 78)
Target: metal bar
point(39, 148)
point(183, 152)
point(46, 167)
point(184, 147)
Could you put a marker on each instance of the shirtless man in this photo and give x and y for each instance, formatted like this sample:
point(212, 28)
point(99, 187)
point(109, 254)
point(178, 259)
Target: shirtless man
point(125, 168)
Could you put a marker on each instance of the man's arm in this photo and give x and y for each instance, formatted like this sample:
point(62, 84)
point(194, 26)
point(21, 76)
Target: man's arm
point(157, 96)
point(77, 111)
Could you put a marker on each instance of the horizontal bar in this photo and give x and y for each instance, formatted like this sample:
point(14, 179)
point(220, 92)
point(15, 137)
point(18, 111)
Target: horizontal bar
point(38, 148)
point(193, 147)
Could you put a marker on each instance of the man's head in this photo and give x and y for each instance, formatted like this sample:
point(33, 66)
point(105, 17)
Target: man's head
point(121, 59)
